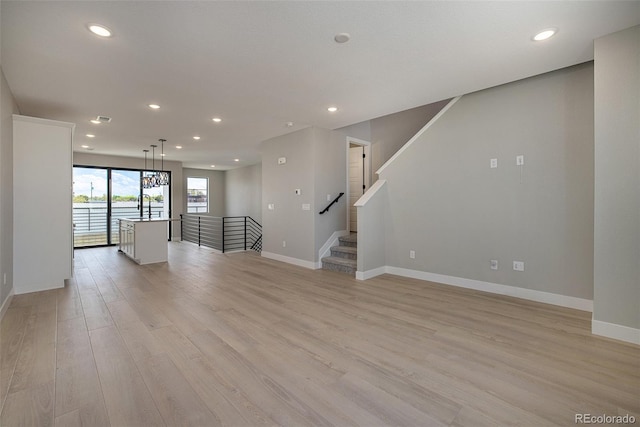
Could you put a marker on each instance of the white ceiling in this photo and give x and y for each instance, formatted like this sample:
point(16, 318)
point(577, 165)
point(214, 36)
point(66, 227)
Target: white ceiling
point(258, 65)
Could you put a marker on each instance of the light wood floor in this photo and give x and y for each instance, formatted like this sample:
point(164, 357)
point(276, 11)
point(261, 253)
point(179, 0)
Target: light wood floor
point(239, 340)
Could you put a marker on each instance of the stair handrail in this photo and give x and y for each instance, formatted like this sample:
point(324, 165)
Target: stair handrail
point(331, 204)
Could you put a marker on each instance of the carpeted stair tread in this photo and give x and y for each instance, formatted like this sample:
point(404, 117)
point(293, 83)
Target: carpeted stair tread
point(350, 240)
point(344, 252)
point(342, 265)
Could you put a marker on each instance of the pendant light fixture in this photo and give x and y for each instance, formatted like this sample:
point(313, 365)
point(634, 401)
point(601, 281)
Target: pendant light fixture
point(146, 179)
point(163, 177)
point(155, 178)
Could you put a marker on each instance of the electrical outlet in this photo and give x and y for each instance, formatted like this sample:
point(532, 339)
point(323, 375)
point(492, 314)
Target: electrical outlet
point(306, 207)
point(518, 265)
point(328, 197)
point(412, 254)
point(494, 264)
point(284, 243)
point(493, 163)
point(520, 160)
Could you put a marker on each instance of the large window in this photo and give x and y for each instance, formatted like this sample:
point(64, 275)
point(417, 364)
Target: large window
point(101, 196)
point(197, 195)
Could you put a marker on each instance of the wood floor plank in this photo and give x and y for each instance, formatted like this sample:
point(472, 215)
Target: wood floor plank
point(178, 403)
point(95, 311)
point(282, 406)
point(36, 361)
point(78, 388)
point(242, 340)
point(29, 407)
point(126, 395)
point(12, 332)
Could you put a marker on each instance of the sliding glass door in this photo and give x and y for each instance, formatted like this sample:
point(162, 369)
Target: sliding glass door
point(90, 189)
point(104, 195)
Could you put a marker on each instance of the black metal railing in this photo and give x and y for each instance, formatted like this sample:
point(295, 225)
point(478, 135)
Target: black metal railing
point(90, 223)
point(331, 204)
point(229, 233)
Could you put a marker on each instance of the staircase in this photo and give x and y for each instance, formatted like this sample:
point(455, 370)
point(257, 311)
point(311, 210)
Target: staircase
point(343, 257)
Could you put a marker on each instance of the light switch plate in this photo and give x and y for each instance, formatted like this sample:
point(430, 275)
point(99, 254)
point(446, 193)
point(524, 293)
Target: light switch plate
point(271, 206)
point(306, 207)
point(520, 160)
point(493, 163)
point(282, 160)
point(298, 192)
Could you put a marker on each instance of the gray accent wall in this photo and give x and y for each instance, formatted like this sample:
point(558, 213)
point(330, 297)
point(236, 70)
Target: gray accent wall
point(389, 133)
point(217, 183)
point(8, 107)
point(457, 214)
point(243, 192)
point(315, 164)
point(287, 221)
point(617, 179)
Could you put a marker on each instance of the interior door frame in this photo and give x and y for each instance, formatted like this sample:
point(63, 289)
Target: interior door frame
point(367, 171)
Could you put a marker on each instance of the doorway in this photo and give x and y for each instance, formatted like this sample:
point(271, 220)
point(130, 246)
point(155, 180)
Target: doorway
point(358, 176)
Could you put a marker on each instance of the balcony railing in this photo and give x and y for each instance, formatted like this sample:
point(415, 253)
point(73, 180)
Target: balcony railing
point(90, 223)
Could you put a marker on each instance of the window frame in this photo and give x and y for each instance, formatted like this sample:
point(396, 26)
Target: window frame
point(188, 194)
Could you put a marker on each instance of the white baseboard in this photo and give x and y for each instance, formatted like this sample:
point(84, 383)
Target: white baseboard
point(617, 332)
point(325, 250)
point(494, 288)
point(290, 260)
point(364, 275)
point(6, 304)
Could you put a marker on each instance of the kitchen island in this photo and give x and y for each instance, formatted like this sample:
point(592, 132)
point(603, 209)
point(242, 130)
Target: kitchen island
point(144, 240)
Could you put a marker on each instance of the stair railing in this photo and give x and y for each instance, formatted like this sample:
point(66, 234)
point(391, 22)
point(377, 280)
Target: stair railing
point(229, 233)
point(331, 204)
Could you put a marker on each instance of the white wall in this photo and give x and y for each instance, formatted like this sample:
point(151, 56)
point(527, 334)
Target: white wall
point(617, 186)
point(243, 192)
point(8, 107)
point(457, 213)
point(177, 192)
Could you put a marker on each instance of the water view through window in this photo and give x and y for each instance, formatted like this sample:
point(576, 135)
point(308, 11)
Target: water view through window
point(103, 195)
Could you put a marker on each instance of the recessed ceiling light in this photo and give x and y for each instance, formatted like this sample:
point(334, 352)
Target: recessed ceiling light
point(89, 135)
point(332, 109)
point(217, 119)
point(179, 147)
point(236, 160)
point(545, 34)
point(99, 30)
point(196, 138)
point(213, 166)
point(84, 146)
point(342, 37)
point(154, 106)
point(289, 124)
point(96, 121)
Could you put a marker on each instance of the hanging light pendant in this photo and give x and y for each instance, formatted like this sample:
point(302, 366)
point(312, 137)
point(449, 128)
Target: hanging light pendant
point(163, 177)
point(146, 179)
